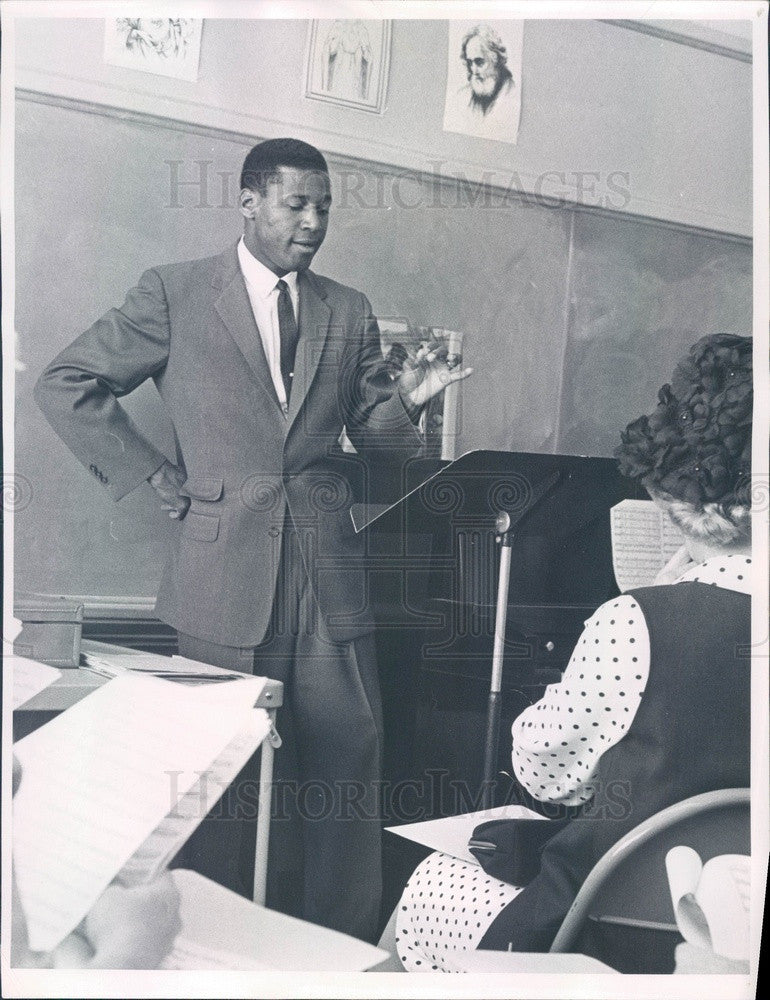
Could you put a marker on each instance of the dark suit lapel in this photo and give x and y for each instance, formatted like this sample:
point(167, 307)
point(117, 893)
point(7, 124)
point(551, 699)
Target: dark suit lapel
point(235, 311)
point(314, 318)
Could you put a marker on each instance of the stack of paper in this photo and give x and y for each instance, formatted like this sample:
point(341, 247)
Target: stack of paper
point(176, 668)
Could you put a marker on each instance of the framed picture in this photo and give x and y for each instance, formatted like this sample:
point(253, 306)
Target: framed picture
point(347, 62)
point(169, 46)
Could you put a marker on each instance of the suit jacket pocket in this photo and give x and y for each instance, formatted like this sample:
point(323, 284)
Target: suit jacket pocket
point(202, 527)
point(203, 487)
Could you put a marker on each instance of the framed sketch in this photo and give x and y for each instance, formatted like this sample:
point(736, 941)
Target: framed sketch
point(169, 46)
point(483, 88)
point(347, 63)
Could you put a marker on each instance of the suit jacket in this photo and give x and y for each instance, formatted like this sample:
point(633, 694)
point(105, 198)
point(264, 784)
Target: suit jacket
point(190, 328)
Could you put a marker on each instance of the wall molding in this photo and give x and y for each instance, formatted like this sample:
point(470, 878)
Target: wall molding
point(350, 162)
point(656, 30)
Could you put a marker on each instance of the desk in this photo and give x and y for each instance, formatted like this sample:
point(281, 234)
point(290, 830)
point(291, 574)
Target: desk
point(77, 682)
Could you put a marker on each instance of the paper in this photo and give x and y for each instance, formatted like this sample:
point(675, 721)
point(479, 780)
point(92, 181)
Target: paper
point(483, 92)
point(643, 540)
point(30, 678)
point(712, 901)
point(194, 956)
point(109, 664)
point(544, 963)
point(223, 930)
point(451, 834)
point(96, 782)
point(188, 811)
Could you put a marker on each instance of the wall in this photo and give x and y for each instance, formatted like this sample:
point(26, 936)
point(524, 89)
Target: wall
point(597, 98)
point(573, 317)
point(572, 321)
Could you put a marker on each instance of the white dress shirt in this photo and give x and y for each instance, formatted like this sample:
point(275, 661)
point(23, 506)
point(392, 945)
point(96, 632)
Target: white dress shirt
point(261, 285)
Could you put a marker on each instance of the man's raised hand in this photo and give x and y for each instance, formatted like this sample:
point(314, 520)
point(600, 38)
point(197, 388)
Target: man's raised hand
point(428, 373)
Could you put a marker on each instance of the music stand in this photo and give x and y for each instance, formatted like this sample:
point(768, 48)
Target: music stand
point(554, 545)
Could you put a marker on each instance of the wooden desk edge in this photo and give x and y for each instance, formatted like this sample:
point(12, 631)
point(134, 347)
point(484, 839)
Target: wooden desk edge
point(77, 682)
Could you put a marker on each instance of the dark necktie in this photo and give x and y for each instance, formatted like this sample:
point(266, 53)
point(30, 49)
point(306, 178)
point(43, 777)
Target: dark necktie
point(287, 326)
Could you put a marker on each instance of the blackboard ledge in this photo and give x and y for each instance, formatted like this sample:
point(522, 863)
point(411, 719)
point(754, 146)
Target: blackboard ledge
point(97, 608)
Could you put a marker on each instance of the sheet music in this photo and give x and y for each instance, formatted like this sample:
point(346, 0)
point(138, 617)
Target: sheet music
point(221, 929)
point(96, 782)
point(712, 901)
point(30, 678)
point(178, 825)
point(451, 834)
point(643, 540)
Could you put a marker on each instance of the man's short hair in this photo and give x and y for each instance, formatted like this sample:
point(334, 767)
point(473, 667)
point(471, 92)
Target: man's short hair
point(262, 163)
point(489, 39)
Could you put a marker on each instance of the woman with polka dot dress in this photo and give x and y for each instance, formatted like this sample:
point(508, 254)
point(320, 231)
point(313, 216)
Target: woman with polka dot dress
point(654, 705)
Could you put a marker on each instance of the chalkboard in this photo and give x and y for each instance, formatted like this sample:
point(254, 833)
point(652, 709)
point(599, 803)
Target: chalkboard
point(639, 297)
point(572, 320)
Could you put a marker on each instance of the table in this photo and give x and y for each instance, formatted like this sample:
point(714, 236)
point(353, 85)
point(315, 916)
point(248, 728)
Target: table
point(78, 682)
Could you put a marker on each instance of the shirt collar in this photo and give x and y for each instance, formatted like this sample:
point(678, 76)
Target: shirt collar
point(733, 572)
point(259, 278)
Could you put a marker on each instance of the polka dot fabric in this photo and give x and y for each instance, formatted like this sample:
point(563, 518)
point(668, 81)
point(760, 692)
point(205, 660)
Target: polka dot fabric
point(557, 743)
point(448, 904)
point(446, 907)
point(732, 572)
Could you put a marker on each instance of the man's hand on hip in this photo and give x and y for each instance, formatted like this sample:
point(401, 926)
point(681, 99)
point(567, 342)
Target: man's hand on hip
point(167, 482)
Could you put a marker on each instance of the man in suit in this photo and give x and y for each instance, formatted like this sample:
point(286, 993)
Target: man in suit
point(261, 363)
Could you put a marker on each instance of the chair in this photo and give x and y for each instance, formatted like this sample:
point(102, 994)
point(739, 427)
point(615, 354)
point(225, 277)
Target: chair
point(623, 913)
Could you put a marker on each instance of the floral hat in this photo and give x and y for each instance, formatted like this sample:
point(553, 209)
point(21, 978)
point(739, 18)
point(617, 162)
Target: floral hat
point(696, 445)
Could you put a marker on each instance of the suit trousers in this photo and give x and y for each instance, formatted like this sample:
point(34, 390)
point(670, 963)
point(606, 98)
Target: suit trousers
point(324, 863)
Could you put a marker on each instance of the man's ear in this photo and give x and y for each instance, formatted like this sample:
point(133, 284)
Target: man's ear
point(249, 201)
